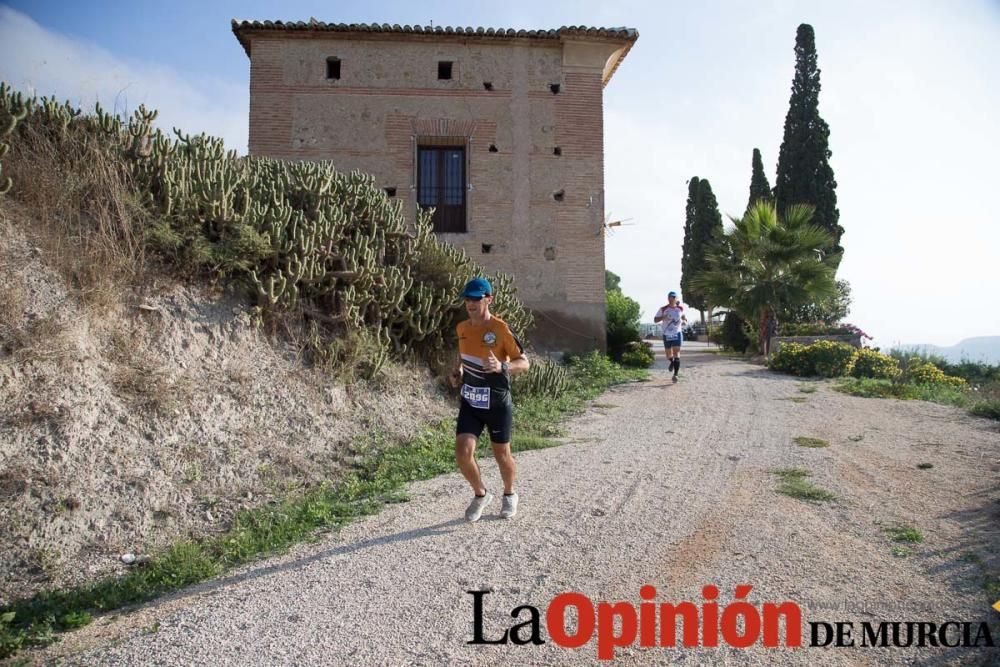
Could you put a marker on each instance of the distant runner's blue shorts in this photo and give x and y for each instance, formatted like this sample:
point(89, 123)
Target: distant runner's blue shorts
point(672, 342)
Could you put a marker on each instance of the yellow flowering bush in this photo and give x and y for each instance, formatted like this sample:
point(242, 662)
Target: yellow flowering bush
point(870, 363)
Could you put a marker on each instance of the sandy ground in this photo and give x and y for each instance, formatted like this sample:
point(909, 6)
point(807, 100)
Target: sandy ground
point(659, 484)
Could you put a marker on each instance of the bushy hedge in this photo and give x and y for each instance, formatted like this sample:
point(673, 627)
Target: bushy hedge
point(976, 373)
point(821, 329)
point(827, 358)
point(623, 323)
point(733, 335)
point(930, 374)
point(824, 358)
point(638, 355)
point(873, 364)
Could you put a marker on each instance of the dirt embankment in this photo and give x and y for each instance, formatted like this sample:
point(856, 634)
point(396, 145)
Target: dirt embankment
point(158, 416)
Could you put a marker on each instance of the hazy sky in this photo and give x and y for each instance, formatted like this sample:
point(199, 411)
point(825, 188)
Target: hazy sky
point(911, 91)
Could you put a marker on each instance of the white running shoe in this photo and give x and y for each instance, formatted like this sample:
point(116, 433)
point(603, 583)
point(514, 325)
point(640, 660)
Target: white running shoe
point(509, 508)
point(476, 507)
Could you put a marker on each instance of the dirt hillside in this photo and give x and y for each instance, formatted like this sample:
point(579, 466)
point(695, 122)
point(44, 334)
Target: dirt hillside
point(154, 417)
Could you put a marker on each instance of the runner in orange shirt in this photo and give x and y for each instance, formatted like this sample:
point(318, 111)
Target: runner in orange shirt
point(488, 354)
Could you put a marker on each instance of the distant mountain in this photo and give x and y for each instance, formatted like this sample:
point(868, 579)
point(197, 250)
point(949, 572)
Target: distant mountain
point(981, 348)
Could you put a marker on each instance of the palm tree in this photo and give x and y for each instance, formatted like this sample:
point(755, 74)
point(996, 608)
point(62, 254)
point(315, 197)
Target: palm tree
point(765, 264)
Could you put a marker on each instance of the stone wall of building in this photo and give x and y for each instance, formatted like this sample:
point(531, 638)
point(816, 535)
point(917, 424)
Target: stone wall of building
point(537, 210)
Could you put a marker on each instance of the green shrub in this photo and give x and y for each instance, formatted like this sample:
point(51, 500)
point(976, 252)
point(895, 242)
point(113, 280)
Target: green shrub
point(973, 372)
point(871, 388)
point(928, 373)
point(789, 359)
point(596, 368)
point(821, 329)
point(824, 358)
point(638, 355)
point(733, 335)
point(873, 364)
point(905, 534)
point(935, 393)
point(623, 323)
point(943, 393)
point(988, 409)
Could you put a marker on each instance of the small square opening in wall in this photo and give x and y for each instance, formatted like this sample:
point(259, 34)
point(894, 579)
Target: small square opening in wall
point(333, 68)
point(559, 196)
point(493, 148)
point(487, 247)
point(488, 85)
point(390, 192)
point(554, 87)
point(444, 70)
point(557, 151)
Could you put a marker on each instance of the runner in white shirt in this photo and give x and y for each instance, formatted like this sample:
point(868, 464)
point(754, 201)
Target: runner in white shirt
point(671, 318)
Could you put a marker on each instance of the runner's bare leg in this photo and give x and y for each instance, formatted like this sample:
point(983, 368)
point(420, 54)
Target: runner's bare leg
point(465, 456)
point(505, 461)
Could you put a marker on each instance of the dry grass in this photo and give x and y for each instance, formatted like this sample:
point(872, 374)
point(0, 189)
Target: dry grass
point(84, 215)
point(146, 386)
point(37, 410)
point(44, 339)
point(13, 299)
point(136, 376)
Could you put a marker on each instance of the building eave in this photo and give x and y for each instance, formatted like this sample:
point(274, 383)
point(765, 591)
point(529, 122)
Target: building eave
point(245, 30)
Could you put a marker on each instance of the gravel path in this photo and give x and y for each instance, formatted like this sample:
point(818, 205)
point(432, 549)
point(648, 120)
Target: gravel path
point(660, 484)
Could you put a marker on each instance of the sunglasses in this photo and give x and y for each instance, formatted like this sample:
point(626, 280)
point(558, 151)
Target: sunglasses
point(474, 298)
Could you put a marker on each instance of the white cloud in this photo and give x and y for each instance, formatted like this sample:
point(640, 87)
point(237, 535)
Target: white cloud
point(40, 61)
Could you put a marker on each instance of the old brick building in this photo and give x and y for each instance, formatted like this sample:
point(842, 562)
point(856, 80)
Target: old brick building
point(500, 130)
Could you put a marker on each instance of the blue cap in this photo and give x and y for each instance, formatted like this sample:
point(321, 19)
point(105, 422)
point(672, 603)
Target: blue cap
point(672, 294)
point(477, 288)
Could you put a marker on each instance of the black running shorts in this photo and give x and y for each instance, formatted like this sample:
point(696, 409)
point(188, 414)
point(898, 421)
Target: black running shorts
point(499, 419)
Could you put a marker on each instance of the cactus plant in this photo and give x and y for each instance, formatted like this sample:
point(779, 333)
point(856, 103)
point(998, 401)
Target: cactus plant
point(301, 235)
point(544, 378)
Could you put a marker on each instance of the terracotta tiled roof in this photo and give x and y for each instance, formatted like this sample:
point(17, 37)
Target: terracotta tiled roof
point(242, 28)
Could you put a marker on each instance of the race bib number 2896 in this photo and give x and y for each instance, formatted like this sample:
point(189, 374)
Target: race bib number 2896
point(477, 397)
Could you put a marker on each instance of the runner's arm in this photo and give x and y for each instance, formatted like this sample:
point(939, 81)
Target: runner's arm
point(512, 350)
point(519, 365)
point(658, 316)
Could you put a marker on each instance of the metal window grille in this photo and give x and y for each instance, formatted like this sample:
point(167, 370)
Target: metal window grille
point(441, 184)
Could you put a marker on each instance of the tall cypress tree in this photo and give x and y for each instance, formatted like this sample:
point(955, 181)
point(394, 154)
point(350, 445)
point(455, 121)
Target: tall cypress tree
point(759, 187)
point(704, 228)
point(804, 173)
point(690, 211)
